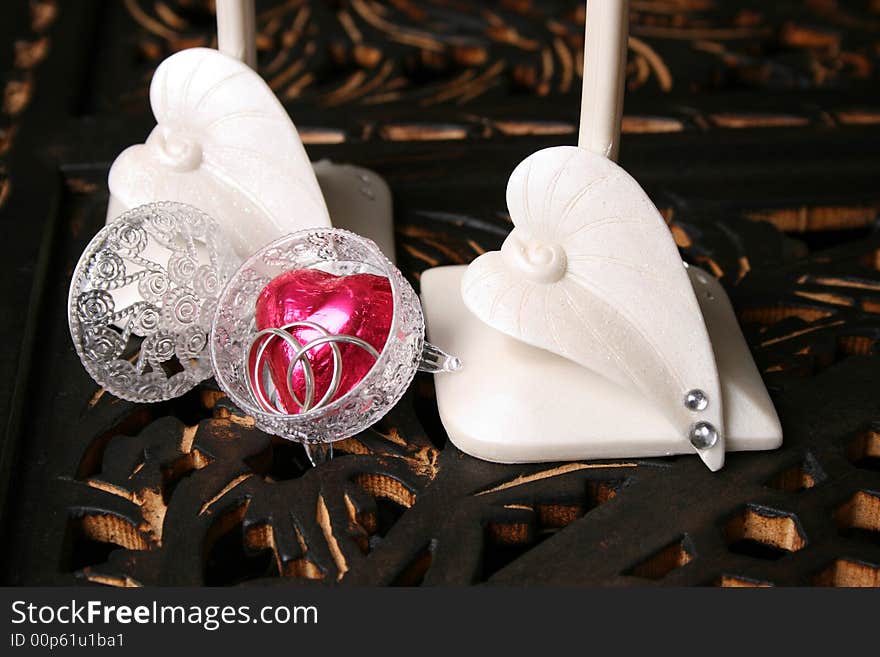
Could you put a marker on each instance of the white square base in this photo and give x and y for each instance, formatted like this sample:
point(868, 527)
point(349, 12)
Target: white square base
point(513, 403)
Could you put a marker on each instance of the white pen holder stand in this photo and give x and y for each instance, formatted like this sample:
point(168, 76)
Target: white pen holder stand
point(587, 348)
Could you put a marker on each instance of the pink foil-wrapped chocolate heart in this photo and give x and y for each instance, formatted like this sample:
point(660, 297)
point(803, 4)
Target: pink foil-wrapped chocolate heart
point(360, 305)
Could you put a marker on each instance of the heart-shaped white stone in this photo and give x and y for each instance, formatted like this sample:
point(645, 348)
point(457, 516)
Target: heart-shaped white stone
point(224, 144)
point(591, 273)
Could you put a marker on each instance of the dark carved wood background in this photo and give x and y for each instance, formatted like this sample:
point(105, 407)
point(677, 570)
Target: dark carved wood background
point(754, 126)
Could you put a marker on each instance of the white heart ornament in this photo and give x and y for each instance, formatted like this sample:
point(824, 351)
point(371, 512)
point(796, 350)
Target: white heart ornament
point(591, 273)
point(224, 144)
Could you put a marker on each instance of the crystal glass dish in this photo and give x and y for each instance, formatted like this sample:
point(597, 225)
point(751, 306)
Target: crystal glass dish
point(337, 252)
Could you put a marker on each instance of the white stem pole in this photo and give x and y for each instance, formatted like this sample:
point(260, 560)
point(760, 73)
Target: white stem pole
point(605, 38)
point(237, 30)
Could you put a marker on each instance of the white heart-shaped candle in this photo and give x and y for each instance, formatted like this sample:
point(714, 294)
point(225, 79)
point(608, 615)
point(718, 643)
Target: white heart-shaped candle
point(591, 273)
point(224, 144)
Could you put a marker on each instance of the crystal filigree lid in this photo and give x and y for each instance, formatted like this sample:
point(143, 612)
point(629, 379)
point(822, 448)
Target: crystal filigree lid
point(143, 297)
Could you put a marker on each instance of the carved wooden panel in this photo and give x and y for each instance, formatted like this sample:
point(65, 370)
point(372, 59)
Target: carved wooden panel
point(774, 193)
point(437, 51)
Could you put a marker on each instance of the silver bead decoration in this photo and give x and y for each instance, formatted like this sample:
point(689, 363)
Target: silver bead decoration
point(696, 400)
point(703, 435)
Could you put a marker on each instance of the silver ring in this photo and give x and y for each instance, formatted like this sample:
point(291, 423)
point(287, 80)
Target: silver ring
point(255, 380)
point(337, 368)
